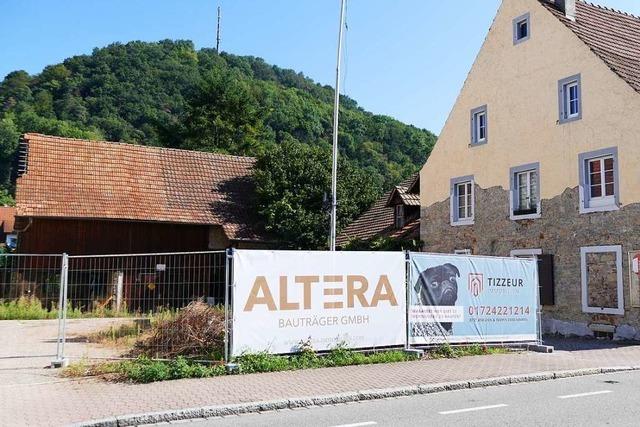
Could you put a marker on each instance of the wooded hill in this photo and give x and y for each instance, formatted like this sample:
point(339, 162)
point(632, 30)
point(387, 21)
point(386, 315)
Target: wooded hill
point(169, 94)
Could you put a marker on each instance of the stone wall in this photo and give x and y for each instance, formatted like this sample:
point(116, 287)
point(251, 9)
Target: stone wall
point(561, 231)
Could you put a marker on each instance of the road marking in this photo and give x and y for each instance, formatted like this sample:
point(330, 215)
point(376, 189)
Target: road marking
point(366, 423)
point(476, 408)
point(593, 393)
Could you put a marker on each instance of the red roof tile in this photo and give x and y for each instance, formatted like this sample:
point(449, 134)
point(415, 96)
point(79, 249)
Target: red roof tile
point(71, 178)
point(612, 35)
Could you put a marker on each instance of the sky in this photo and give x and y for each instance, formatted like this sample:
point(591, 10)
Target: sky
point(404, 58)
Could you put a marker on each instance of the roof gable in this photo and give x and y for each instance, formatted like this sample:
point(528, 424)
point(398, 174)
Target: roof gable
point(612, 35)
point(71, 178)
point(401, 193)
point(379, 220)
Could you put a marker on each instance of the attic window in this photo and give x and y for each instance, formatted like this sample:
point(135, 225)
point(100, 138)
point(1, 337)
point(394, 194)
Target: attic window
point(570, 99)
point(479, 126)
point(521, 29)
point(399, 216)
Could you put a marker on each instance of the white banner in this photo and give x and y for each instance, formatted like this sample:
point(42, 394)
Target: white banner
point(284, 297)
point(465, 299)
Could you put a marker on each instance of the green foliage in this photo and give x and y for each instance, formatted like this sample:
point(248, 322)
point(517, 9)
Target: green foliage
point(6, 199)
point(169, 94)
point(145, 370)
point(446, 351)
point(293, 181)
point(31, 308)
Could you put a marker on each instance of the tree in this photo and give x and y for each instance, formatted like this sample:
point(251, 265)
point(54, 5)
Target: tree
point(293, 182)
point(9, 136)
point(168, 94)
point(223, 115)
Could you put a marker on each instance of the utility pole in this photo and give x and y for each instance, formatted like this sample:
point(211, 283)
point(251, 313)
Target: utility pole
point(218, 33)
point(336, 113)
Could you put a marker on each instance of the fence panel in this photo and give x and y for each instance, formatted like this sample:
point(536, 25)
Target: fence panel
point(29, 291)
point(131, 305)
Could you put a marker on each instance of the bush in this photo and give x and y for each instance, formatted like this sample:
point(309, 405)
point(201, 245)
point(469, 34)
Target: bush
point(25, 308)
point(196, 331)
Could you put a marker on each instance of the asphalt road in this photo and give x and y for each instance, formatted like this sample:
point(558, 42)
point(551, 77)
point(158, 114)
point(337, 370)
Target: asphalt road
point(610, 399)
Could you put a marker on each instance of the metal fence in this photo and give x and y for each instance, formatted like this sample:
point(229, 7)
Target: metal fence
point(114, 306)
point(29, 289)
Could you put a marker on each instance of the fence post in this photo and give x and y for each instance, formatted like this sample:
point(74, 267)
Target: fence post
point(407, 293)
point(62, 314)
point(227, 283)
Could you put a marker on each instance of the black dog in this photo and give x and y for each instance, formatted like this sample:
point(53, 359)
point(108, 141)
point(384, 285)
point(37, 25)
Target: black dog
point(438, 286)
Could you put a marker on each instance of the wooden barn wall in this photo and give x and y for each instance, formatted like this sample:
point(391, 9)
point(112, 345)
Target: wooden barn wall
point(87, 237)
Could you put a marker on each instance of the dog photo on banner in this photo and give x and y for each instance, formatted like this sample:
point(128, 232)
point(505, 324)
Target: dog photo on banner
point(465, 299)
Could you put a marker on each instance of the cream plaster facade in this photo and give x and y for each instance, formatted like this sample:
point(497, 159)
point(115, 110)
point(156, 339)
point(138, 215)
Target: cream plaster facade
point(519, 85)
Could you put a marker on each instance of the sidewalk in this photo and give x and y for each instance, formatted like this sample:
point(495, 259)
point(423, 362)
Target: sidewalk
point(30, 396)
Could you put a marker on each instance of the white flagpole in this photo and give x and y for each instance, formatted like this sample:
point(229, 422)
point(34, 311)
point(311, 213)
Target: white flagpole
point(336, 107)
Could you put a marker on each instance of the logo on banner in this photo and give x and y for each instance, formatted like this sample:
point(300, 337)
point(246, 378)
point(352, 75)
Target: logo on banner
point(476, 283)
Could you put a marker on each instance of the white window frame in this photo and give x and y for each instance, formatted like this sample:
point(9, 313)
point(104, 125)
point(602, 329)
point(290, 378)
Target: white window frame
point(517, 22)
point(476, 127)
point(634, 300)
point(514, 195)
point(617, 249)
point(604, 199)
point(564, 98)
point(590, 204)
point(454, 206)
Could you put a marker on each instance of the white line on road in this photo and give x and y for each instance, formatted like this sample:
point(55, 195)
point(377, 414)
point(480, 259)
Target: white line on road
point(477, 408)
point(366, 423)
point(593, 393)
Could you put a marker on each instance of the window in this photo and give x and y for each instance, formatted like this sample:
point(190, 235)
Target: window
point(634, 278)
point(546, 279)
point(479, 126)
point(521, 29)
point(525, 191)
point(570, 99)
point(462, 201)
point(599, 181)
point(399, 216)
point(602, 290)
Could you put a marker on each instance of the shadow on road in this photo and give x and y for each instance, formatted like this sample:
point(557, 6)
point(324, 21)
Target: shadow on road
point(578, 344)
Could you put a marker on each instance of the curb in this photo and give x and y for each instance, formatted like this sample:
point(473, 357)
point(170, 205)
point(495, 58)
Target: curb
point(357, 396)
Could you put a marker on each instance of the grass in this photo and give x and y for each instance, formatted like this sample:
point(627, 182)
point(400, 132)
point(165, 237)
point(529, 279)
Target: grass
point(31, 308)
point(145, 370)
point(446, 351)
point(124, 335)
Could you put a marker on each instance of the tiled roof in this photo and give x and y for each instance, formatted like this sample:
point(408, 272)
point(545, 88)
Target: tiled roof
point(71, 178)
point(379, 220)
point(7, 218)
point(612, 35)
point(403, 191)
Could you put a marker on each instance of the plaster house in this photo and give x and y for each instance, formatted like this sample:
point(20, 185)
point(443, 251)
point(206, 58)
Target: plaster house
point(94, 197)
point(539, 157)
point(395, 215)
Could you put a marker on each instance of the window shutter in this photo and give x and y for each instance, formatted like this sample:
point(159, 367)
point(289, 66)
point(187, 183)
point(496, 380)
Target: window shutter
point(546, 279)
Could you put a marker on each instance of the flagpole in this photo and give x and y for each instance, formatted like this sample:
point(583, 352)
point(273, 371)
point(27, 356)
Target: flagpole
point(336, 107)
